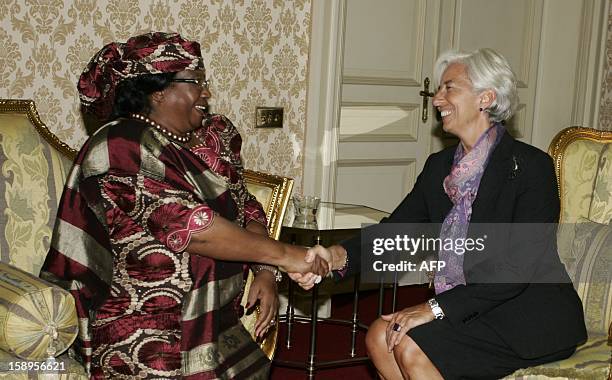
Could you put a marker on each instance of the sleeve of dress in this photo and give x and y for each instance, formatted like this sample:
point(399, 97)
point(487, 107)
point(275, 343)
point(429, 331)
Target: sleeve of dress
point(139, 205)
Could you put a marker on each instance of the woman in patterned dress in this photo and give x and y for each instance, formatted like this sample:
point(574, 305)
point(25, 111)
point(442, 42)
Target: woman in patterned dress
point(155, 225)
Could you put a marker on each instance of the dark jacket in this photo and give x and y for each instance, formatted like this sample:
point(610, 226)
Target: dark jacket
point(518, 186)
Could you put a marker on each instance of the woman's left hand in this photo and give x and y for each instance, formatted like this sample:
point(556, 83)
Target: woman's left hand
point(264, 289)
point(407, 318)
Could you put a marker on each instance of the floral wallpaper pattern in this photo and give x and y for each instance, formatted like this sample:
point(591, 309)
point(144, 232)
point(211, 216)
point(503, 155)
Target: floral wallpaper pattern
point(255, 51)
point(605, 105)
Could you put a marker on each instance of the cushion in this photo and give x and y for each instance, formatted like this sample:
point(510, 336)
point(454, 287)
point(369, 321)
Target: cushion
point(37, 319)
point(589, 264)
point(590, 361)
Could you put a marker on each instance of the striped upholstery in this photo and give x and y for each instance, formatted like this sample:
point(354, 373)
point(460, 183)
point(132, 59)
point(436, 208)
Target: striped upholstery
point(37, 319)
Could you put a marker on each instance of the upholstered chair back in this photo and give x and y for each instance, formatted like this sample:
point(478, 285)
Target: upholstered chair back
point(583, 160)
point(33, 165)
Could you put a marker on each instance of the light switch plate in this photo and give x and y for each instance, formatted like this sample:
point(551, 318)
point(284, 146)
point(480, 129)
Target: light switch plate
point(269, 117)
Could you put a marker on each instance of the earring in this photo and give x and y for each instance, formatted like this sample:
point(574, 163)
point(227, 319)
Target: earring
point(480, 109)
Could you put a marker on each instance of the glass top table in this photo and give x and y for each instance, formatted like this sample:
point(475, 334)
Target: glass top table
point(335, 222)
point(334, 215)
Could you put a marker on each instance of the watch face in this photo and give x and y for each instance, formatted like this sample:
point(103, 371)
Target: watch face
point(437, 312)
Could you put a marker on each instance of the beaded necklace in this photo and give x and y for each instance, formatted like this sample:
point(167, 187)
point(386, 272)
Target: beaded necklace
point(173, 136)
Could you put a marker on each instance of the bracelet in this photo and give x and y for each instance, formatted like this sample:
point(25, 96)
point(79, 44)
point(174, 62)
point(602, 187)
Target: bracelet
point(435, 308)
point(278, 276)
point(344, 268)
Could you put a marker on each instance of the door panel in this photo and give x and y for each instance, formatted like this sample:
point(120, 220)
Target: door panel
point(374, 122)
point(512, 28)
point(391, 180)
point(383, 141)
point(395, 60)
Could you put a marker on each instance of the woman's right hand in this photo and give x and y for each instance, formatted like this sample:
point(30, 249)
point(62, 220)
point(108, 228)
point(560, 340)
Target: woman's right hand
point(331, 255)
point(301, 263)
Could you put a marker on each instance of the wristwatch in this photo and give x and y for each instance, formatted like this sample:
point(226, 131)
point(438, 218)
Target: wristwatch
point(435, 308)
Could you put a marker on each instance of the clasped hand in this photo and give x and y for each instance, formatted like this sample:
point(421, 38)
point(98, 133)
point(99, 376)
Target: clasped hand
point(311, 265)
point(308, 279)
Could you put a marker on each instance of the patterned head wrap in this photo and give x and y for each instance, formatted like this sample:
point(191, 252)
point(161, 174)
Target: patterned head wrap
point(150, 53)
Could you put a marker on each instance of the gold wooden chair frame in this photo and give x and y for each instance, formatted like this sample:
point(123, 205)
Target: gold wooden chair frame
point(271, 191)
point(28, 107)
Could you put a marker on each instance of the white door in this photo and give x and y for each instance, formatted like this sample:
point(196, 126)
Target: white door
point(384, 135)
point(366, 141)
point(385, 132)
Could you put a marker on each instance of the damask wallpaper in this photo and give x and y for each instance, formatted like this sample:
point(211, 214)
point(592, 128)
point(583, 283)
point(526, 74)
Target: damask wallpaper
point(255, 51)
point(605, 106)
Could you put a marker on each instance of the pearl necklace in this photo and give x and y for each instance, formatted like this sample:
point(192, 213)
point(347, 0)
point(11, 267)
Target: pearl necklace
point(173, 136)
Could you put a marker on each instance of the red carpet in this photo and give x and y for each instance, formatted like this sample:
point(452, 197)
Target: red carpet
point(333, 341)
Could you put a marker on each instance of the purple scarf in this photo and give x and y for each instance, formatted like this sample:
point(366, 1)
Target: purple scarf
point(461, 186)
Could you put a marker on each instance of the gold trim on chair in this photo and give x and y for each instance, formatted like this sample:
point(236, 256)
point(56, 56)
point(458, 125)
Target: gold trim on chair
point(557, 147)
point(273, 193)
point(280, 191)
point(28, 107)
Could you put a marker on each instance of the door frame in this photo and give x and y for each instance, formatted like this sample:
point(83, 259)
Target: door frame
point(323, 100)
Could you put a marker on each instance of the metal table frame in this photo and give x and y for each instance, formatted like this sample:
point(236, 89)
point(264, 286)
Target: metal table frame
point(311, 365)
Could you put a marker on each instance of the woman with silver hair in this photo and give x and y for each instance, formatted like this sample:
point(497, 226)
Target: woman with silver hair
point(487, 319)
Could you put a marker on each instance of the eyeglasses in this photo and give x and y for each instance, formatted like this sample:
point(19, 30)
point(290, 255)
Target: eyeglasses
point(204, 83)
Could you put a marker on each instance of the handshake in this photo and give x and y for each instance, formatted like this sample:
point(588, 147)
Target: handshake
point(317, 263)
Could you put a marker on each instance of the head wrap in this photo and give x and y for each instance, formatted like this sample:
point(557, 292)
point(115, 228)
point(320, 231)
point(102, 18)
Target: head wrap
point(150, 53)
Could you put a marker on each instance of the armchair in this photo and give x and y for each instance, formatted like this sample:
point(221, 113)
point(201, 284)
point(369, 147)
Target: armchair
point(583, 164)
point(34, 165)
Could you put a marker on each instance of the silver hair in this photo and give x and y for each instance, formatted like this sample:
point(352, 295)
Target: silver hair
point(487, 70)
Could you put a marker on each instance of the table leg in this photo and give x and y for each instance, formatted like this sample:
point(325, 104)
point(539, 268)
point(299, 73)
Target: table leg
point(355, 317)
point(289, 315)
point(310, 364)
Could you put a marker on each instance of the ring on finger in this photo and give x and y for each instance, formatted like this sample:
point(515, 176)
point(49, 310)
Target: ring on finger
point(396, 327)
point(318, 279)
